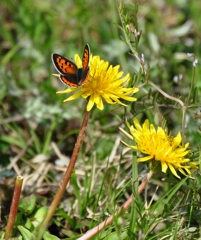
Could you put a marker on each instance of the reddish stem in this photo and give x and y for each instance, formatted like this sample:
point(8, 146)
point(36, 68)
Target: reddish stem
point(65, 180)
point(14, 207)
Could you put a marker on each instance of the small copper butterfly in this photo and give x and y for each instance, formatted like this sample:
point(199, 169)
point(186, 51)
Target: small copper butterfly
point(70, 74)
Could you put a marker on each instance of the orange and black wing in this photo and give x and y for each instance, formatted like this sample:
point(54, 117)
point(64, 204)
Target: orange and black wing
point(85, 58)
point(84, 72)
point(63, 65)
point(70, 80)
point(67, 70)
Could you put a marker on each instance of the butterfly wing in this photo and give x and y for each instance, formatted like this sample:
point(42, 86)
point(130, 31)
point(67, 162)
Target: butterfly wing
point(85, 58)
point(63, 65)
point(66, 68)
point(69, 79)
point(83, 73)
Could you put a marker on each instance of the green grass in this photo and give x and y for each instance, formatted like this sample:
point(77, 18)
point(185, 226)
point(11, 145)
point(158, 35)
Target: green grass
point(36, 126)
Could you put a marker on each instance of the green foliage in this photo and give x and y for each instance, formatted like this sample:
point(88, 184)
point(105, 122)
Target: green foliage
point(37, 128)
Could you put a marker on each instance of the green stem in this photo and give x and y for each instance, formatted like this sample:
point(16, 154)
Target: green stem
point(134, 195)
point(191, 88)
point(186, 107)
point(49, 136)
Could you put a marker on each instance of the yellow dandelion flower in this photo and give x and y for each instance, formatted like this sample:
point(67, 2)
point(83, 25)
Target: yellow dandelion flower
point(156, 145)
point(105, 82)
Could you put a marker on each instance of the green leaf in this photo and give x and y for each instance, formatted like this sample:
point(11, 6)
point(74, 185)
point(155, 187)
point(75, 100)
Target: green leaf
point(27, 235)
point(48, 236)
point(39, 216)
point(28, 204)
point(115, 236)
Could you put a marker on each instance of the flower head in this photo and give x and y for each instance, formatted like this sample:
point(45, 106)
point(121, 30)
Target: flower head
point(105, 82)
point(156, 145)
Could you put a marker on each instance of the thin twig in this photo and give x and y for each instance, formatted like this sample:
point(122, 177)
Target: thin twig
point(107, 222)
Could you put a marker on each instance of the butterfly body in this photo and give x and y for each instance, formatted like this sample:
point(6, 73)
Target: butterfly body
point(70, 74)
point(81, 74)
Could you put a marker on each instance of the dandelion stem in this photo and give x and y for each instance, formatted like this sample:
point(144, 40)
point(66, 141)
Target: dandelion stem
point(40, 231)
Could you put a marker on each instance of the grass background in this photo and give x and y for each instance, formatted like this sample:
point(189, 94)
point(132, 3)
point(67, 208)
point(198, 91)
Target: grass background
point(36, 127)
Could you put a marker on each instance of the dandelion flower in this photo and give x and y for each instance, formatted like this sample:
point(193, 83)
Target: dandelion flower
point(157, 146)
point(105, 82)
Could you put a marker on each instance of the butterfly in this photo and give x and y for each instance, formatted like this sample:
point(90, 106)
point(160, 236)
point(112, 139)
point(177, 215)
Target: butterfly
point(70, 74)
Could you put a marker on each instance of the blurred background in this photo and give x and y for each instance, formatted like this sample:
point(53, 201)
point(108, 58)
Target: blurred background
point(32, 116)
